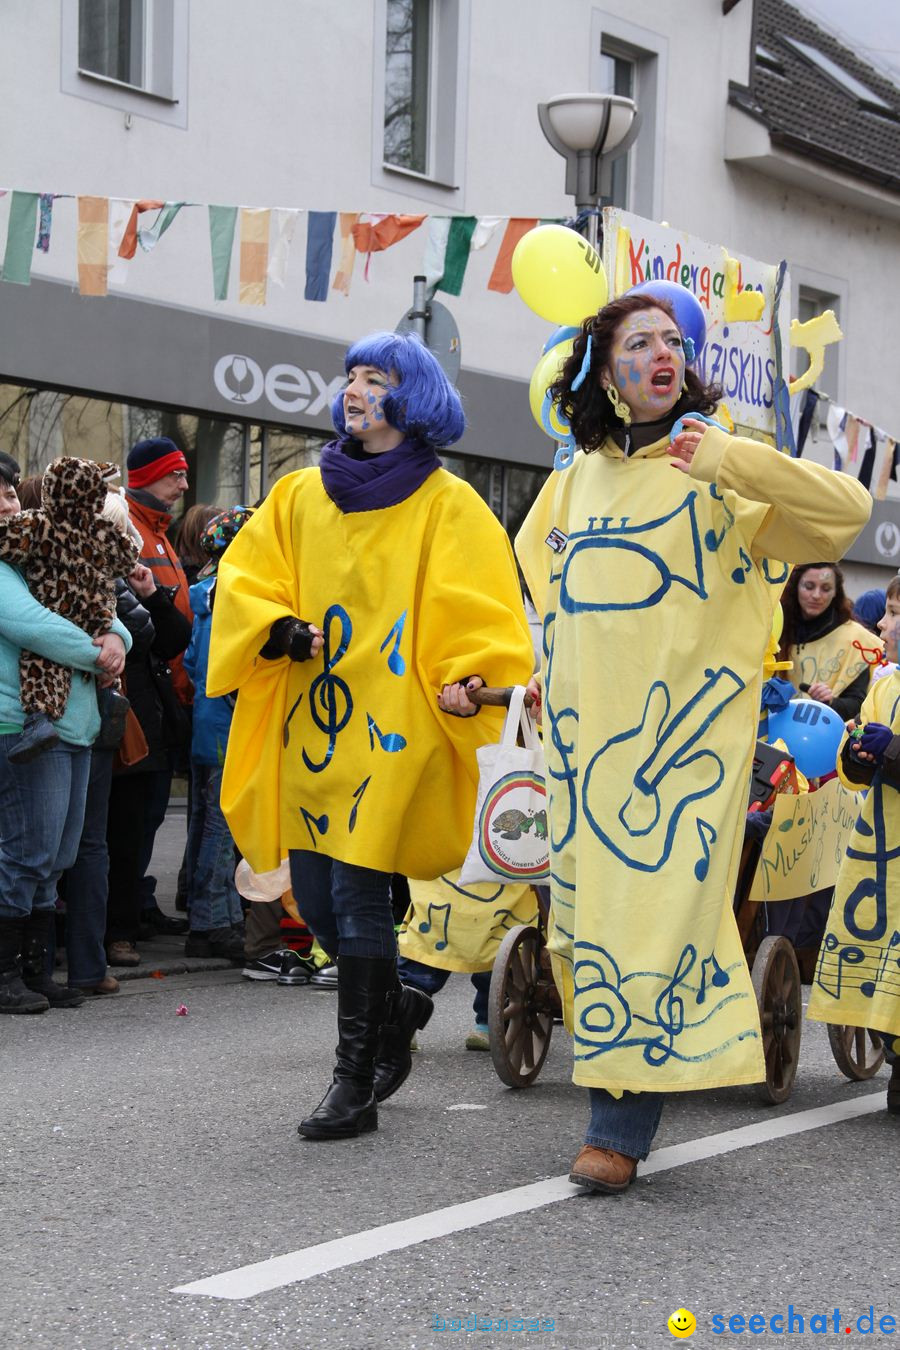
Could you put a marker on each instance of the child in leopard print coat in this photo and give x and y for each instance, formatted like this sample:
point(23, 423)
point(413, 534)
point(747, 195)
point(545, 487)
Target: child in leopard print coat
point(70, 558)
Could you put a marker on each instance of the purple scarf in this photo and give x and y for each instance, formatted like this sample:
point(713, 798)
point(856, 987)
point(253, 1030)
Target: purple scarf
point(376, 481)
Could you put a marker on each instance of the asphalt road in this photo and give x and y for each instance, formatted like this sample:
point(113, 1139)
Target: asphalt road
point(143, 1151)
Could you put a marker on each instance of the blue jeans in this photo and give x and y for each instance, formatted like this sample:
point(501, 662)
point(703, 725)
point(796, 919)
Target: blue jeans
point(430, 979)
point(347, 908)
point(212, 897)
point(41, 814)
point(87, 881)
point(627, 1123)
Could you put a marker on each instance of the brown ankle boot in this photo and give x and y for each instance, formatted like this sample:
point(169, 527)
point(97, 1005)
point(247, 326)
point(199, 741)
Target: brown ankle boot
point(603, 1170)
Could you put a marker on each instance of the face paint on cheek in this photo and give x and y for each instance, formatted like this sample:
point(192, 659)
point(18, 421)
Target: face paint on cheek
point(627, 372)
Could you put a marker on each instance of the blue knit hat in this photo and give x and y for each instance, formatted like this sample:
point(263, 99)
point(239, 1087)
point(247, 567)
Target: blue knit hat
point(151, 460)
point(869, 607)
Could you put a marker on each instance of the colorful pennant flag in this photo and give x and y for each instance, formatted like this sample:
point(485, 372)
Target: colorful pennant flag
point(23, 210)
point(485, 230)
point(149, 238)
point(93, 226)
point(462, 228)
point(435, 251)
point(284, 225)
point(222, 223)
point(45, 220)
point(381, 232)
point(319, 238)
point(344, 273)
point(128, 246)
point(254, 254)
point(501, 278)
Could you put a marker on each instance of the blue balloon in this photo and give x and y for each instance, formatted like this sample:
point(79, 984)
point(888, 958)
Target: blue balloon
point(811, 731)
point(687, 308)
point(558, 336)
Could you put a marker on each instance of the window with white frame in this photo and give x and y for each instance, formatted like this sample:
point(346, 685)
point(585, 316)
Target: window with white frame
point(128, 54)
point(419, 98)
point(631, 60)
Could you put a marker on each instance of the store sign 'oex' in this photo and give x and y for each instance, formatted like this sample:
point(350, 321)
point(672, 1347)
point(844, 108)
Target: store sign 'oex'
point(289, 388)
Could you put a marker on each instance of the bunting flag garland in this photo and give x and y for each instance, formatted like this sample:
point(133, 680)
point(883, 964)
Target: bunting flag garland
point(319, 239)
point(435, 251)
point(456, 261)
point(222, 223)
point(93, 224)
point(45, 220)
point(149, 238)
point(23, 210)
point(381, 232)
point(254, 254)
point(344, 273)
point(128, 246)
point(284, 225)
point(501, 278)
point(485, 230)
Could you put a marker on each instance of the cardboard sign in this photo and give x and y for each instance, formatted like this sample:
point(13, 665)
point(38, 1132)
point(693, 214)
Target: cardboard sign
point(805, 844)
point(739, 353)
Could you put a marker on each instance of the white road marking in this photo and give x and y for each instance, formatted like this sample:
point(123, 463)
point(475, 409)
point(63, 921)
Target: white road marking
point(278, 1271)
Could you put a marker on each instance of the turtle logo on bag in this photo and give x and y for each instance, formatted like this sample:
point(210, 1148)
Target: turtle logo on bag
point(512, 836)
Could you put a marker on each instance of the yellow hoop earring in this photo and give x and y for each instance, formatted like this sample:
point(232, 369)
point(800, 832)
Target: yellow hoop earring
point(620, 408)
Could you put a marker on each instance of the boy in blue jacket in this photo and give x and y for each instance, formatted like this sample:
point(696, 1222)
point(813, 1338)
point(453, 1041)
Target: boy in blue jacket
point(214, 906)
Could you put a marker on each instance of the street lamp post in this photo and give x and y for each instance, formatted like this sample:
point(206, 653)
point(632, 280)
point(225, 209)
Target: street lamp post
point(588, 130)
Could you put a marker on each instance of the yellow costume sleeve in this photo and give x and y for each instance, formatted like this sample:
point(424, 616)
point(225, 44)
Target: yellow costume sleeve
point(814, 512)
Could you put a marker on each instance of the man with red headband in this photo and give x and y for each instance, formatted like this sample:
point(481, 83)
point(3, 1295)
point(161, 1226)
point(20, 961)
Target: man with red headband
point(157, 479)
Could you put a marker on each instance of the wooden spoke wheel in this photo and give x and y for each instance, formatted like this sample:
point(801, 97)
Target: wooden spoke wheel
point(857, 1051)
point(520, 1010)
point(776, 983)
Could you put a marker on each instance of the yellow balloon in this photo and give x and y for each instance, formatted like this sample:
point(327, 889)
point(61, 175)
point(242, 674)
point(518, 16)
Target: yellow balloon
point(559, 275)
point(545, 372)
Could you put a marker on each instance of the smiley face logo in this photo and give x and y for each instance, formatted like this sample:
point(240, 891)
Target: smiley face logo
point(682, 1323)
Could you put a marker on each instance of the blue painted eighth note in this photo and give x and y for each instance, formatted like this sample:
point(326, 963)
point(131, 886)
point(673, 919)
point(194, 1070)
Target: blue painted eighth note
point(320, 822)
point(391, 741)
point(396, 663)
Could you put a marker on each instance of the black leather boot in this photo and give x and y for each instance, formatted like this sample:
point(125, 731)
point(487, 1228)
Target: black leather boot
point(15, 997)
point(348, 1107)
point(408, 1012)
point(34, 955)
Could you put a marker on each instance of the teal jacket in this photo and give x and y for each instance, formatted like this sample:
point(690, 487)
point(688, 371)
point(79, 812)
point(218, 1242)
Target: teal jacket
point(26, 625)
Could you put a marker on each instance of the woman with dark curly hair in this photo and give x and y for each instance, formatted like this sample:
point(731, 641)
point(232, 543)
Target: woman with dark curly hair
point(656, 560)
point(833, 655)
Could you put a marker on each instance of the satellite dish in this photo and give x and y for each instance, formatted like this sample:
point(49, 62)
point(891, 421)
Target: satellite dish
point(441, 336)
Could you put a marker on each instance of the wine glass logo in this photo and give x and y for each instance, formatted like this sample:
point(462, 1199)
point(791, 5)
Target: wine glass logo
point(238, 378)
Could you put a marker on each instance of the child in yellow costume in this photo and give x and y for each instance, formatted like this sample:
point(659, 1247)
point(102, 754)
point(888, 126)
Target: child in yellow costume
point(340, 753)
point(656, 561)
point(857, 980)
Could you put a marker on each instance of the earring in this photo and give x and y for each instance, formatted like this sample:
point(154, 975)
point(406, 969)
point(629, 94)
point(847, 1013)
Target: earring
point(620, 408)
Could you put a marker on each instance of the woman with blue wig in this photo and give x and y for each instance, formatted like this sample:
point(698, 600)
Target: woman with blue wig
point(361, 602)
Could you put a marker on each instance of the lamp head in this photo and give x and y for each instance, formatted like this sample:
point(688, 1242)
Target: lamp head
point(595, 122)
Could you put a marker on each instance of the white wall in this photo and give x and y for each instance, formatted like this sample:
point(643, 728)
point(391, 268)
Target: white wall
point(280, 113)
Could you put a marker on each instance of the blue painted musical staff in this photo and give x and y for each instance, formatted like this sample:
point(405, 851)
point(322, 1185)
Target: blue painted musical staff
point(847, 956)
point(396, 663)
point(391, 741)
point(320, 822)
point(425, 926)
point(358, 796)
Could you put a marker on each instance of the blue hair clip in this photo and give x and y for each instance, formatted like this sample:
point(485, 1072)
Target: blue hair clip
point(690, 351)
point(694, 417)
point(585, 366)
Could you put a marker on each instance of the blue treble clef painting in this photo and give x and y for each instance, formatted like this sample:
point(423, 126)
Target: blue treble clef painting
point(330, 701)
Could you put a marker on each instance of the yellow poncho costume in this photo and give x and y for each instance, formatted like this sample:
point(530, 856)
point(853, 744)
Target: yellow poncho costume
point(348, 753)
point(657, 592)
point(857, 980)
point(835, 659)
point(456, 927)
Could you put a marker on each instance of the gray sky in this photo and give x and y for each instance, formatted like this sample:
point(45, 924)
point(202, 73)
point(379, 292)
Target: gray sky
point(870, 27)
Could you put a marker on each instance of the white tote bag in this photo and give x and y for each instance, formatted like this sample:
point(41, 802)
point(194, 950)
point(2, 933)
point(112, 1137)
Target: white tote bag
point(509, 841)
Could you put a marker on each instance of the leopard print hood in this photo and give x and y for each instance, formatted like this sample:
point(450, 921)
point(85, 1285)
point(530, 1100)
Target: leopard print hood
point(75, 489)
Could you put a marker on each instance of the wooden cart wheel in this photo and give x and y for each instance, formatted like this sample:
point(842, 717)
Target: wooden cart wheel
point(857, 1051)
point(776, 983)
point(520, 1018)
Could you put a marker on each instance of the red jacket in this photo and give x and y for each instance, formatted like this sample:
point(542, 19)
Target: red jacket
point(158, 554)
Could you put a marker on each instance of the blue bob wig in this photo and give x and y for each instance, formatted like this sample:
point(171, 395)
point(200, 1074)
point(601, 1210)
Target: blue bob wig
point(424, 405)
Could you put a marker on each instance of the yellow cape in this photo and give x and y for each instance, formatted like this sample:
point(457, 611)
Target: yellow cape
point(835, 659)
point(657, 610)
point(348, 753)
point(857, 980)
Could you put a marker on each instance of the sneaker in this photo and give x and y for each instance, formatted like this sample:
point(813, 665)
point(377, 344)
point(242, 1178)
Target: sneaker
point(326, 978)
point(480, 1038)
point(296, 969)
point(266, 967)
